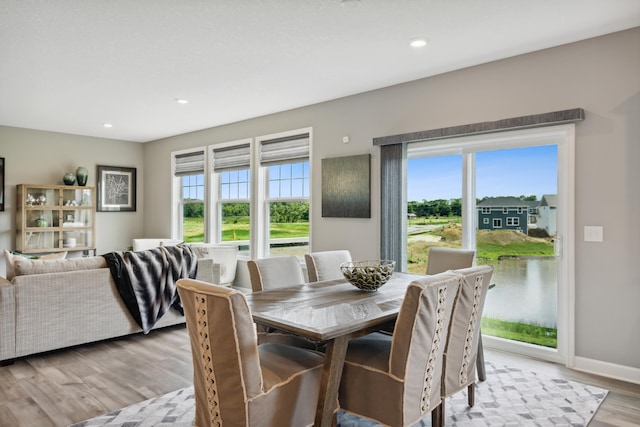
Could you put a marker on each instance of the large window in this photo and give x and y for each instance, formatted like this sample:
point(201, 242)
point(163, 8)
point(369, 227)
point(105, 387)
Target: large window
point(285, 161)
point(189, 173)
point(513, 172)
point(255, 194)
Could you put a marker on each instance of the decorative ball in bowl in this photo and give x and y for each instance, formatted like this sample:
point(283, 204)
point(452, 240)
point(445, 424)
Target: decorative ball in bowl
point(368, 275)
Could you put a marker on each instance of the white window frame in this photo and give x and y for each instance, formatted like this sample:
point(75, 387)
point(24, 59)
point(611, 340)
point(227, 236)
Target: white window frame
point(260, 191)
point(176, 195)
point(215, 203)
point(564, 137)
point(496, 223)
point(513, 221)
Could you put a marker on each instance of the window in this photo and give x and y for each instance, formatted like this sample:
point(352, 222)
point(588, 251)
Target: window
point(505, 210)
point(497, 223)
point(520, 210)
point(485, 220)
point(285, 161)
point(253, 193)
point(189, 173)
point(486, 210)
point(231, 192)
point(513, 221)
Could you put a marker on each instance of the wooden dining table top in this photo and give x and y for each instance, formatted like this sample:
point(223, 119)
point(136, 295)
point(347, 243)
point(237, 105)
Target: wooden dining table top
point(325, 310)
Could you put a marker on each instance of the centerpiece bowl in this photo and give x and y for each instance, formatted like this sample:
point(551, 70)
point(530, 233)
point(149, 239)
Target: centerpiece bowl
point(368, 275)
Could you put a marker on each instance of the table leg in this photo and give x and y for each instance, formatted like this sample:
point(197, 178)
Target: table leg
point(482, 375)
point(331, 374)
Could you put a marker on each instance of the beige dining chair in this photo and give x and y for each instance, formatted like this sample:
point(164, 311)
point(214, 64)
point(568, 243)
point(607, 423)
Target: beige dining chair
point(274, 273)
point(461, 347)
point(396, 380)
point(325, 265)
point(236, 381)
point(443, 259)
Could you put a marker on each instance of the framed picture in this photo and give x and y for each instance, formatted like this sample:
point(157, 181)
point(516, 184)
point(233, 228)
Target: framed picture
point(1, 183)
point(116, 189)
point(346, 187)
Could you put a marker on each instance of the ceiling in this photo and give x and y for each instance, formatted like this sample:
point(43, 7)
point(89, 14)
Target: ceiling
point(71, 65)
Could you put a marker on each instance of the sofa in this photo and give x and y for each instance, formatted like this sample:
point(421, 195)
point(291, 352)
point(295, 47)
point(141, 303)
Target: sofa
point(53, 304)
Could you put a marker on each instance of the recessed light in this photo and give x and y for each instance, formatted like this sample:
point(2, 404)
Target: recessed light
point(182, 101)
point(107, 125)
point(418, 42)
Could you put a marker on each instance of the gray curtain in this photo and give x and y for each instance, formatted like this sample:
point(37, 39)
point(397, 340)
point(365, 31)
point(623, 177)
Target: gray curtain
point(393, 204)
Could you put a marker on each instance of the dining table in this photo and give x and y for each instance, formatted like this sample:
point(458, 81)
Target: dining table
point(331, 312)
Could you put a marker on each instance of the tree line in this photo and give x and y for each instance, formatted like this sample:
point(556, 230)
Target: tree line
point(451, 207)
point(281, 212)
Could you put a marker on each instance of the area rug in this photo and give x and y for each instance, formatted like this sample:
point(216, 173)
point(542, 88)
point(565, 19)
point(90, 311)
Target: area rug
point(509, 397)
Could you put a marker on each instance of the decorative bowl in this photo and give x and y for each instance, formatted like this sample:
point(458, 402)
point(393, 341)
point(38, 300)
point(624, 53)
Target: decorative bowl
point(368, 275)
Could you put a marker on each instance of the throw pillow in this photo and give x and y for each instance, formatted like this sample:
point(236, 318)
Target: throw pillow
point(25, 266)
point(12, 257)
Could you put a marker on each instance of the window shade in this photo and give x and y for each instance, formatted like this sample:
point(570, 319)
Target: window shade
point(232, 158)
point(284, 150)
point(189, 163)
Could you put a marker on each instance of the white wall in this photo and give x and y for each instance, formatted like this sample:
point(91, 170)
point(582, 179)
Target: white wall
point(37, 157)
point(601, 75)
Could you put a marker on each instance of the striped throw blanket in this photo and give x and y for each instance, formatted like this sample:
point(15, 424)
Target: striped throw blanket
point(146, 280)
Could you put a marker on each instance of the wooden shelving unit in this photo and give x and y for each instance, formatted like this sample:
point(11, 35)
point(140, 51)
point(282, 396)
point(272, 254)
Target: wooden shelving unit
point(54, 218)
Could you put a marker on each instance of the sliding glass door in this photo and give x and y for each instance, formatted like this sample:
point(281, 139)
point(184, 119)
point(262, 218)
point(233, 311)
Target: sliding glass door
point(505, 196)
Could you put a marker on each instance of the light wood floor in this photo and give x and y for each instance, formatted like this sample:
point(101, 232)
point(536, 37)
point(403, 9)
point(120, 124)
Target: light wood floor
point(68, 386)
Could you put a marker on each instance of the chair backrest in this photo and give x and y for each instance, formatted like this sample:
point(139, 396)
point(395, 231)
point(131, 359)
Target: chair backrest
point(418, 340)
point(275, 272)
point(464, 331)
point(224, 255)
point(443, 259)
point(326, 265)
point(224, 350)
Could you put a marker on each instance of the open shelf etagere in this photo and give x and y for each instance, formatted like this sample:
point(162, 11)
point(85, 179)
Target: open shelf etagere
point(55, 218)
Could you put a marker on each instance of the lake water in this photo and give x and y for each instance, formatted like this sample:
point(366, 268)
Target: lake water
point(525, 291)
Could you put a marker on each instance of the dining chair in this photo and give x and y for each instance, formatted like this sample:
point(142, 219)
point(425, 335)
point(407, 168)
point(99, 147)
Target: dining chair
point(236, 381)
point(273, 273)
point(443, 259)
point(396, 380)
point(325, 265)
point(461, 348)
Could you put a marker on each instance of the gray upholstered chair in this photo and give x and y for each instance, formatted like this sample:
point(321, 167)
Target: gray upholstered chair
point(443, 259)
point(275, 272)
point(396, 380)
point(326, 265)
point(461, 347)
point(236, 381)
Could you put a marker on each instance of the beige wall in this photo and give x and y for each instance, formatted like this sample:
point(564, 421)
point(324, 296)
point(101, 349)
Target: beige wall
point(601, 75)
point(37, 157)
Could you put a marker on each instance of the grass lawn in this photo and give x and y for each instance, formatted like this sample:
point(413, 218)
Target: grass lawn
point(533, 334)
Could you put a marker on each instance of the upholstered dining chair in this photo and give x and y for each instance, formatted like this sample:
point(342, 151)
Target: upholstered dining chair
point(274, 272)
point(396, 380)
point(461, 348)
point(443, 259)
point(236, 381)
point(325, 265)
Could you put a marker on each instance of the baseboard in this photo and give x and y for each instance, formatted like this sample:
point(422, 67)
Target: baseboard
point(606, 369)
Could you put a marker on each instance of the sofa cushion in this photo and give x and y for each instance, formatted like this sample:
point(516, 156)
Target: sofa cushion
point(11, 258)
point(43, 266)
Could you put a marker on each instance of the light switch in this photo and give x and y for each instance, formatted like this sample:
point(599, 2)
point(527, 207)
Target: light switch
point(593, 233)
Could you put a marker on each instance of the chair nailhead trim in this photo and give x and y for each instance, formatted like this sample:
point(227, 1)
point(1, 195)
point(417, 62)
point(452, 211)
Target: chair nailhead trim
point(206, 360)
point(473, 321)
point(435, 344)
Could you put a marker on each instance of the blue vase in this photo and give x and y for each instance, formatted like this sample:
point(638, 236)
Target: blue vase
point(81, 175)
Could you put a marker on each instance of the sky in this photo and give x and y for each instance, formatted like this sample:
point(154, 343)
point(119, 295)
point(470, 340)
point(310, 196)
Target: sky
point(512, 172)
